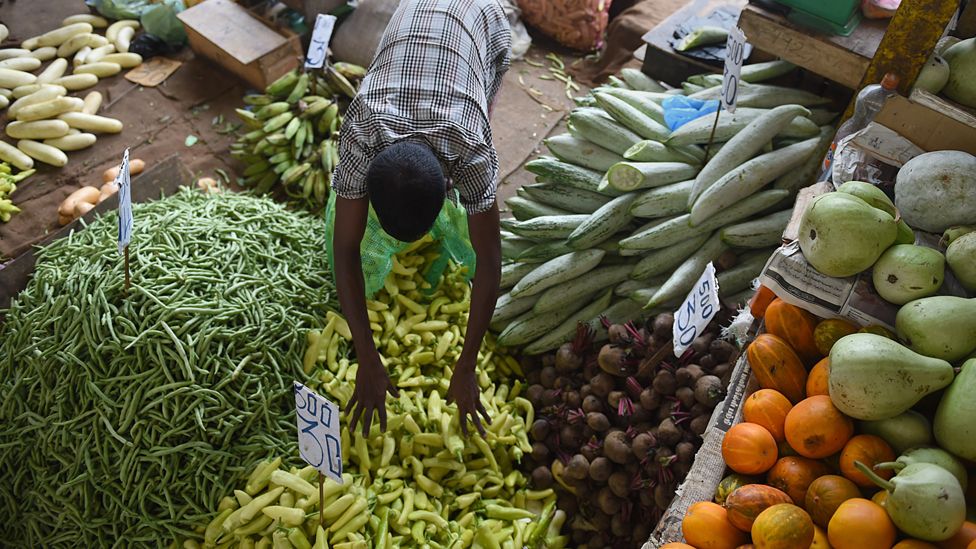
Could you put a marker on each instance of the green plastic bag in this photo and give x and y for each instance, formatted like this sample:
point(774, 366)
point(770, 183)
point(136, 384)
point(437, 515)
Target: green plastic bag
point(378, 248)
point(160, 20)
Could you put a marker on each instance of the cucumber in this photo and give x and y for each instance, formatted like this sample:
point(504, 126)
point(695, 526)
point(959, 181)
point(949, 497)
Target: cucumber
point(764, 96)
point(683, 279)
point(639, 81)
point(706, 80)
point(663, 260)
point(557, 271)
point(598, 129)
point(738, 278)
point(544, 251)
point(549, 227)
point(806, 174)
point(698, 130)
point(744, 145)
point(513, 246)
point(677, 229)
point(513, 272)
point(564, 172)
point(529, 326)
point(822, 117)
point(648, 103)
point(525, 208)
point(617, 83)
point(566, 197)
point(628, 287)
point(568, 293)
point(629, 176)
point(643, 295)
point(758, 233)
point(564, 331)
point(748, 178)
point(508, 307)
point(702, 36)
point(581, 152)
point(663, 201)
point(756, 72)
point(631, 117)
point(603, 223)
point(650, 150)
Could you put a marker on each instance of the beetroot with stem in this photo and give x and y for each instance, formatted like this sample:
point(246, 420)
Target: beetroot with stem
point(616, 446)
point(642, 445)
point(663, 326)
point(540, 452)
point(592, 449)
point(721, 350)
point(700, 344)
point(602, 384)
point(665, 383)
point(668, 434)
point(615, 360)
point(618, 335)
point(578, 467)
point(639, 415)
point(650, 399)
point(572, 399)
point(633, 387)
point(539, 430)
point(709, 391)
point(597, 421)
point(569, 437)
point(707, 362)
point(699, 424)
point(592, 403)
point(685, 452)
point(608, 503)
point(686, 396)
point(663, 494)
point(541, 477)
point(575, 416)
point(618, 526)
point(551, 397)
point(686, 376)
point(534, 394)
point(600, 469)
point(548, 377)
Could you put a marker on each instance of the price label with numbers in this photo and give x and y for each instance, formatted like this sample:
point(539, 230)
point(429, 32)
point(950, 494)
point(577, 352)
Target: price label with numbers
point(319, 439)
point(122, 181)
point(735, 49)
point(318, 47)
point(697, 310)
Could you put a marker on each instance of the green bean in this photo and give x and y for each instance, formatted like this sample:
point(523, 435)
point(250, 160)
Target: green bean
point(147, 403)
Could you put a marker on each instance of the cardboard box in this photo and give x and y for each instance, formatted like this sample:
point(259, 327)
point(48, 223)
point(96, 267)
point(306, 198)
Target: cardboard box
point(244, 44)
point(931, 122)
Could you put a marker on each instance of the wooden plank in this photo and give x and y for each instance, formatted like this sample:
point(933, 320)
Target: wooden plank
point(843, 59)
point(660, 61)
point(930, 121)
point(163, 178)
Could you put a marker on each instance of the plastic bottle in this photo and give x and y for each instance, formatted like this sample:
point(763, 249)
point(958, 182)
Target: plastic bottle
point(867, 105)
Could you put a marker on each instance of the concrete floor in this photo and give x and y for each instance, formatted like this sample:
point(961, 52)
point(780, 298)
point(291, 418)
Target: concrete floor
point(199, 99)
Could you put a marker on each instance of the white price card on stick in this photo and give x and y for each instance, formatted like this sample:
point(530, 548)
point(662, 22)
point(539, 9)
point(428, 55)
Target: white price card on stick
point(318, 47)
point(735, 49)
point(696, 311)
point(319, 438)
point(123, 182)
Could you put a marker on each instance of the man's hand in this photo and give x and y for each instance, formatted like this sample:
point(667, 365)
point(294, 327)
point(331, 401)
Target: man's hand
point(372, 384)
point(465, 392)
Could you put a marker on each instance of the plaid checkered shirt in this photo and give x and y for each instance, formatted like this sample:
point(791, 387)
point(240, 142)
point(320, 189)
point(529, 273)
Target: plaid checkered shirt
point(436, 71)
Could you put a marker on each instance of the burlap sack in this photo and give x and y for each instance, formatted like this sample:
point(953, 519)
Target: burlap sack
point(357, 38)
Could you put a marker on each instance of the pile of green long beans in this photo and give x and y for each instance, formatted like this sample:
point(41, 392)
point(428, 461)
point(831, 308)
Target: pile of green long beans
point(125, 418)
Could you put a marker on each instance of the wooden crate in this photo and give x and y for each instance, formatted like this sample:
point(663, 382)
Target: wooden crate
point(843, 59)
point(244, 44)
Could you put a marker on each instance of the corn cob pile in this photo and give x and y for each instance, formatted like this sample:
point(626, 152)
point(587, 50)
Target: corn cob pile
point(8, 184)
point(292, 134)
point(420, 483)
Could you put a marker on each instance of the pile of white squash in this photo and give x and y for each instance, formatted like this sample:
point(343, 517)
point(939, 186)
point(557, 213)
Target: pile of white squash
point(42, 117)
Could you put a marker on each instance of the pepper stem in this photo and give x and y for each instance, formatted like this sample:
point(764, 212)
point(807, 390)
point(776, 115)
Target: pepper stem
point(885, 484)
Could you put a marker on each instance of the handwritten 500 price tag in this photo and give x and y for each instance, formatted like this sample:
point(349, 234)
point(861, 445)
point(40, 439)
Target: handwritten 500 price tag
point(735, 49)
point(318, 432)
point(697, 310)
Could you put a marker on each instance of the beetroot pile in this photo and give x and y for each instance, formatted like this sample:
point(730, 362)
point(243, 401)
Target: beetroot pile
point(616, 433)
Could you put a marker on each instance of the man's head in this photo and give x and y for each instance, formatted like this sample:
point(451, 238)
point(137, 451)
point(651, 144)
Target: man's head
point(406, 188)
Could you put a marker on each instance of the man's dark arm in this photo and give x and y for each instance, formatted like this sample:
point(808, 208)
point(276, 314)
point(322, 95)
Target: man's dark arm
point(372, 380)
point(486, 241)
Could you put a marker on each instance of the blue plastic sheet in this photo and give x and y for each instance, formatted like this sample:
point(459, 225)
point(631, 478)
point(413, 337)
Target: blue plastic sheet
point(679, 110)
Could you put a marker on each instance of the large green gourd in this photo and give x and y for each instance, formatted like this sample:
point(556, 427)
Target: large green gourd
point(842, 235)
point(955, 420)
point(933, 456)
point(873, 377)
point(941, 326)
point(908, 430)
point(924, 501)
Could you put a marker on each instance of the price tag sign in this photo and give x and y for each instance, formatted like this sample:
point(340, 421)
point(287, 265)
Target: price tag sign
point(735, 49)
point(125, 202)
point(319, 45)
point(697, 310)
point(318, 432)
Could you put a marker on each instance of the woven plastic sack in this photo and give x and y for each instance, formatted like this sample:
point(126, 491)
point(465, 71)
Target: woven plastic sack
point(578, 24)
point(378, 248)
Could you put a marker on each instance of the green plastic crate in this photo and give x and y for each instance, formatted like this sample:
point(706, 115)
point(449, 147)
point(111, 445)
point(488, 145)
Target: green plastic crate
point(828, 16)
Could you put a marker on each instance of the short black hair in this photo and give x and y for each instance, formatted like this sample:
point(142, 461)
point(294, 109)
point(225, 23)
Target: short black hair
point(406, 187)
